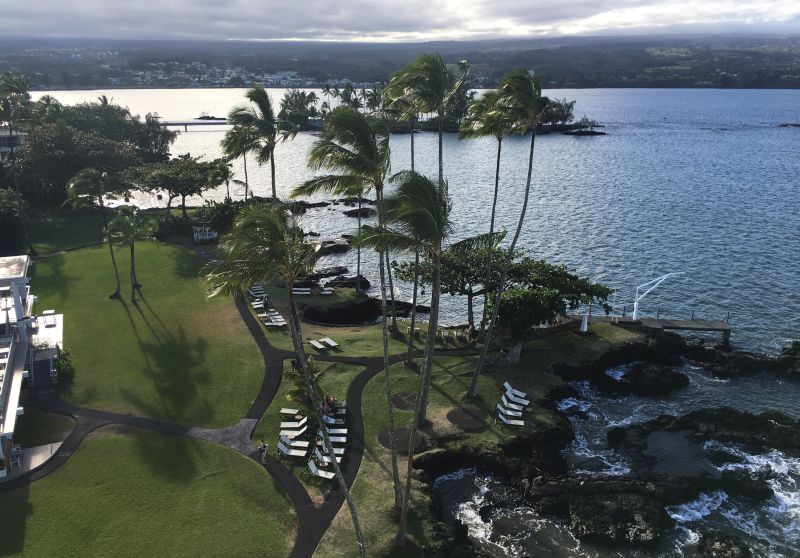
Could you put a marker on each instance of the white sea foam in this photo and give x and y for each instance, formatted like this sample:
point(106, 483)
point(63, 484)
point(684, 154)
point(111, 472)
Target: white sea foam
point(455, 475)
point(617, 372)
point(697, 509)
point(572, 404)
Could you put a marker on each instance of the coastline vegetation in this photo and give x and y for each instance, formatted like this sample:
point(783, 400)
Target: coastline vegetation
point(175, 354)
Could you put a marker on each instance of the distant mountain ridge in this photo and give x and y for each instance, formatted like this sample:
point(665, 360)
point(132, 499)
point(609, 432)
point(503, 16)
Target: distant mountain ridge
point(743, 61)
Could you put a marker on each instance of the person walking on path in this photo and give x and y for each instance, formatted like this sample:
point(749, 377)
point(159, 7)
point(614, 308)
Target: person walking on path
point(262, 450)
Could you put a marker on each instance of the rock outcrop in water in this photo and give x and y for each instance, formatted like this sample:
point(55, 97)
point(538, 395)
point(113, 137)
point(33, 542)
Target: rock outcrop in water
point(721, 545)
point(730, 364)
point(765, 430)
point(606, 511)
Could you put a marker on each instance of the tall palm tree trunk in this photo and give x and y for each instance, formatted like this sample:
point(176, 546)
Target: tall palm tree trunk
point(297, 340)
point(398, 497)
point(413, 309)
point(491, 231)
point(358, 251)
point(246, 183)
point(416, 270)
point(116, 293)
point(473, 385)
point(133, 273)
point(391, 293)
point(272, 172)
point(419, 406)
point(441, 151)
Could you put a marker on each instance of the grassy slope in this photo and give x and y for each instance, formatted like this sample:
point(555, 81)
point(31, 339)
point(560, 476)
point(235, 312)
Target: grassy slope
point(55, 229)
point(335, 380)
point(373, 487)
point(134, 493)
point(177, 355)
point(36, 428)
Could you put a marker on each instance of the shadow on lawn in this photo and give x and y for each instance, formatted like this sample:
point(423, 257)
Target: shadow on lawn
point(56, 283)
point(174, 364)
point(188, 265)
point(15, 508)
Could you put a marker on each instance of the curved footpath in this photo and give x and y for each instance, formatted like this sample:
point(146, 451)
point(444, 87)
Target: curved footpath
point(313, 521)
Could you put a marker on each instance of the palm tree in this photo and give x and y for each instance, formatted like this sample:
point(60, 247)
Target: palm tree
point(485, 118)
point(238, 142)
point(266, 243)
point(128, 226)
point(266, 131)
point(48, 109)
point(90, 188)
point(399, 107)
point(221, 173)
point(520, 98)
point(418, 217)
point(428, 85)
point(355, 148)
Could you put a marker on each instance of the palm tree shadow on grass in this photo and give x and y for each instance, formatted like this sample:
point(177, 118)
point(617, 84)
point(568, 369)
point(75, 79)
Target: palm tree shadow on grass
point(14, 512)
point(173, 364)
point(57, 282)
point(188, 265)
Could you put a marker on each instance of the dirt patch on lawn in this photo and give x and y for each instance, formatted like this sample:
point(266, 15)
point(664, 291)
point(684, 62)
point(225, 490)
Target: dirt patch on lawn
point(401, 436)
point(404, 400)
point(465, 420)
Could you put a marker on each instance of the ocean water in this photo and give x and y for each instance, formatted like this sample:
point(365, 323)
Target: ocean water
point(699, 181)
point(500, 523)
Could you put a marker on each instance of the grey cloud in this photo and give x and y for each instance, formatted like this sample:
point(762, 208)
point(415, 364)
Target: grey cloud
point(301, 19)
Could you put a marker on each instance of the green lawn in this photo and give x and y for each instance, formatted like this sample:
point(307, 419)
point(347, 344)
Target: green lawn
point(36, 428)
point(176, 355)
point(335, 379)
point(55, 229)
point(130, 493)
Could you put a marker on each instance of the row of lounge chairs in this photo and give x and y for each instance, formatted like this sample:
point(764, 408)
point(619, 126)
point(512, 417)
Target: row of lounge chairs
point(291, 442)
point(306, 291)
point(511, 406)
point(323, 344)
point(443, 335)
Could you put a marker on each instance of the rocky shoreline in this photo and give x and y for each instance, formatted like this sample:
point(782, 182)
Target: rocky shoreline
point(631, 511)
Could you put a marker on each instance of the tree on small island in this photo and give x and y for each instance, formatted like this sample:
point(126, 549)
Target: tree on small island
point(180, 177)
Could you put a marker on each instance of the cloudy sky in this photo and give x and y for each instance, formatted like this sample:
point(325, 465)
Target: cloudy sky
point(384, 20)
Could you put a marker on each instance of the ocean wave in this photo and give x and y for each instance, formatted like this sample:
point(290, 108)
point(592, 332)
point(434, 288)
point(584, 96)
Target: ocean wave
point(697, 509)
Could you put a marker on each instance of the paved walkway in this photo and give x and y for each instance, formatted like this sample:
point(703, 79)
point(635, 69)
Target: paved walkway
point(313, 521)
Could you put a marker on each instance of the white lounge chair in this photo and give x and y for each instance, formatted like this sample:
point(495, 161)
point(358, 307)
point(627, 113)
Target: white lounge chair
point(336, 450)
point(257, 305)
point(334, 439)
point(509, 405)
point(329, 342)
point(515, 396)
point(288, 442)
point(317, 345)
point(510, 422)
point(508, 412)
point(291, 452)
point(312, 468)
point(301, 291)
point(286, 411)
point(339, 431)
point(331, 420)
point(291, 433)
point(325, 458)
point(294, 425)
